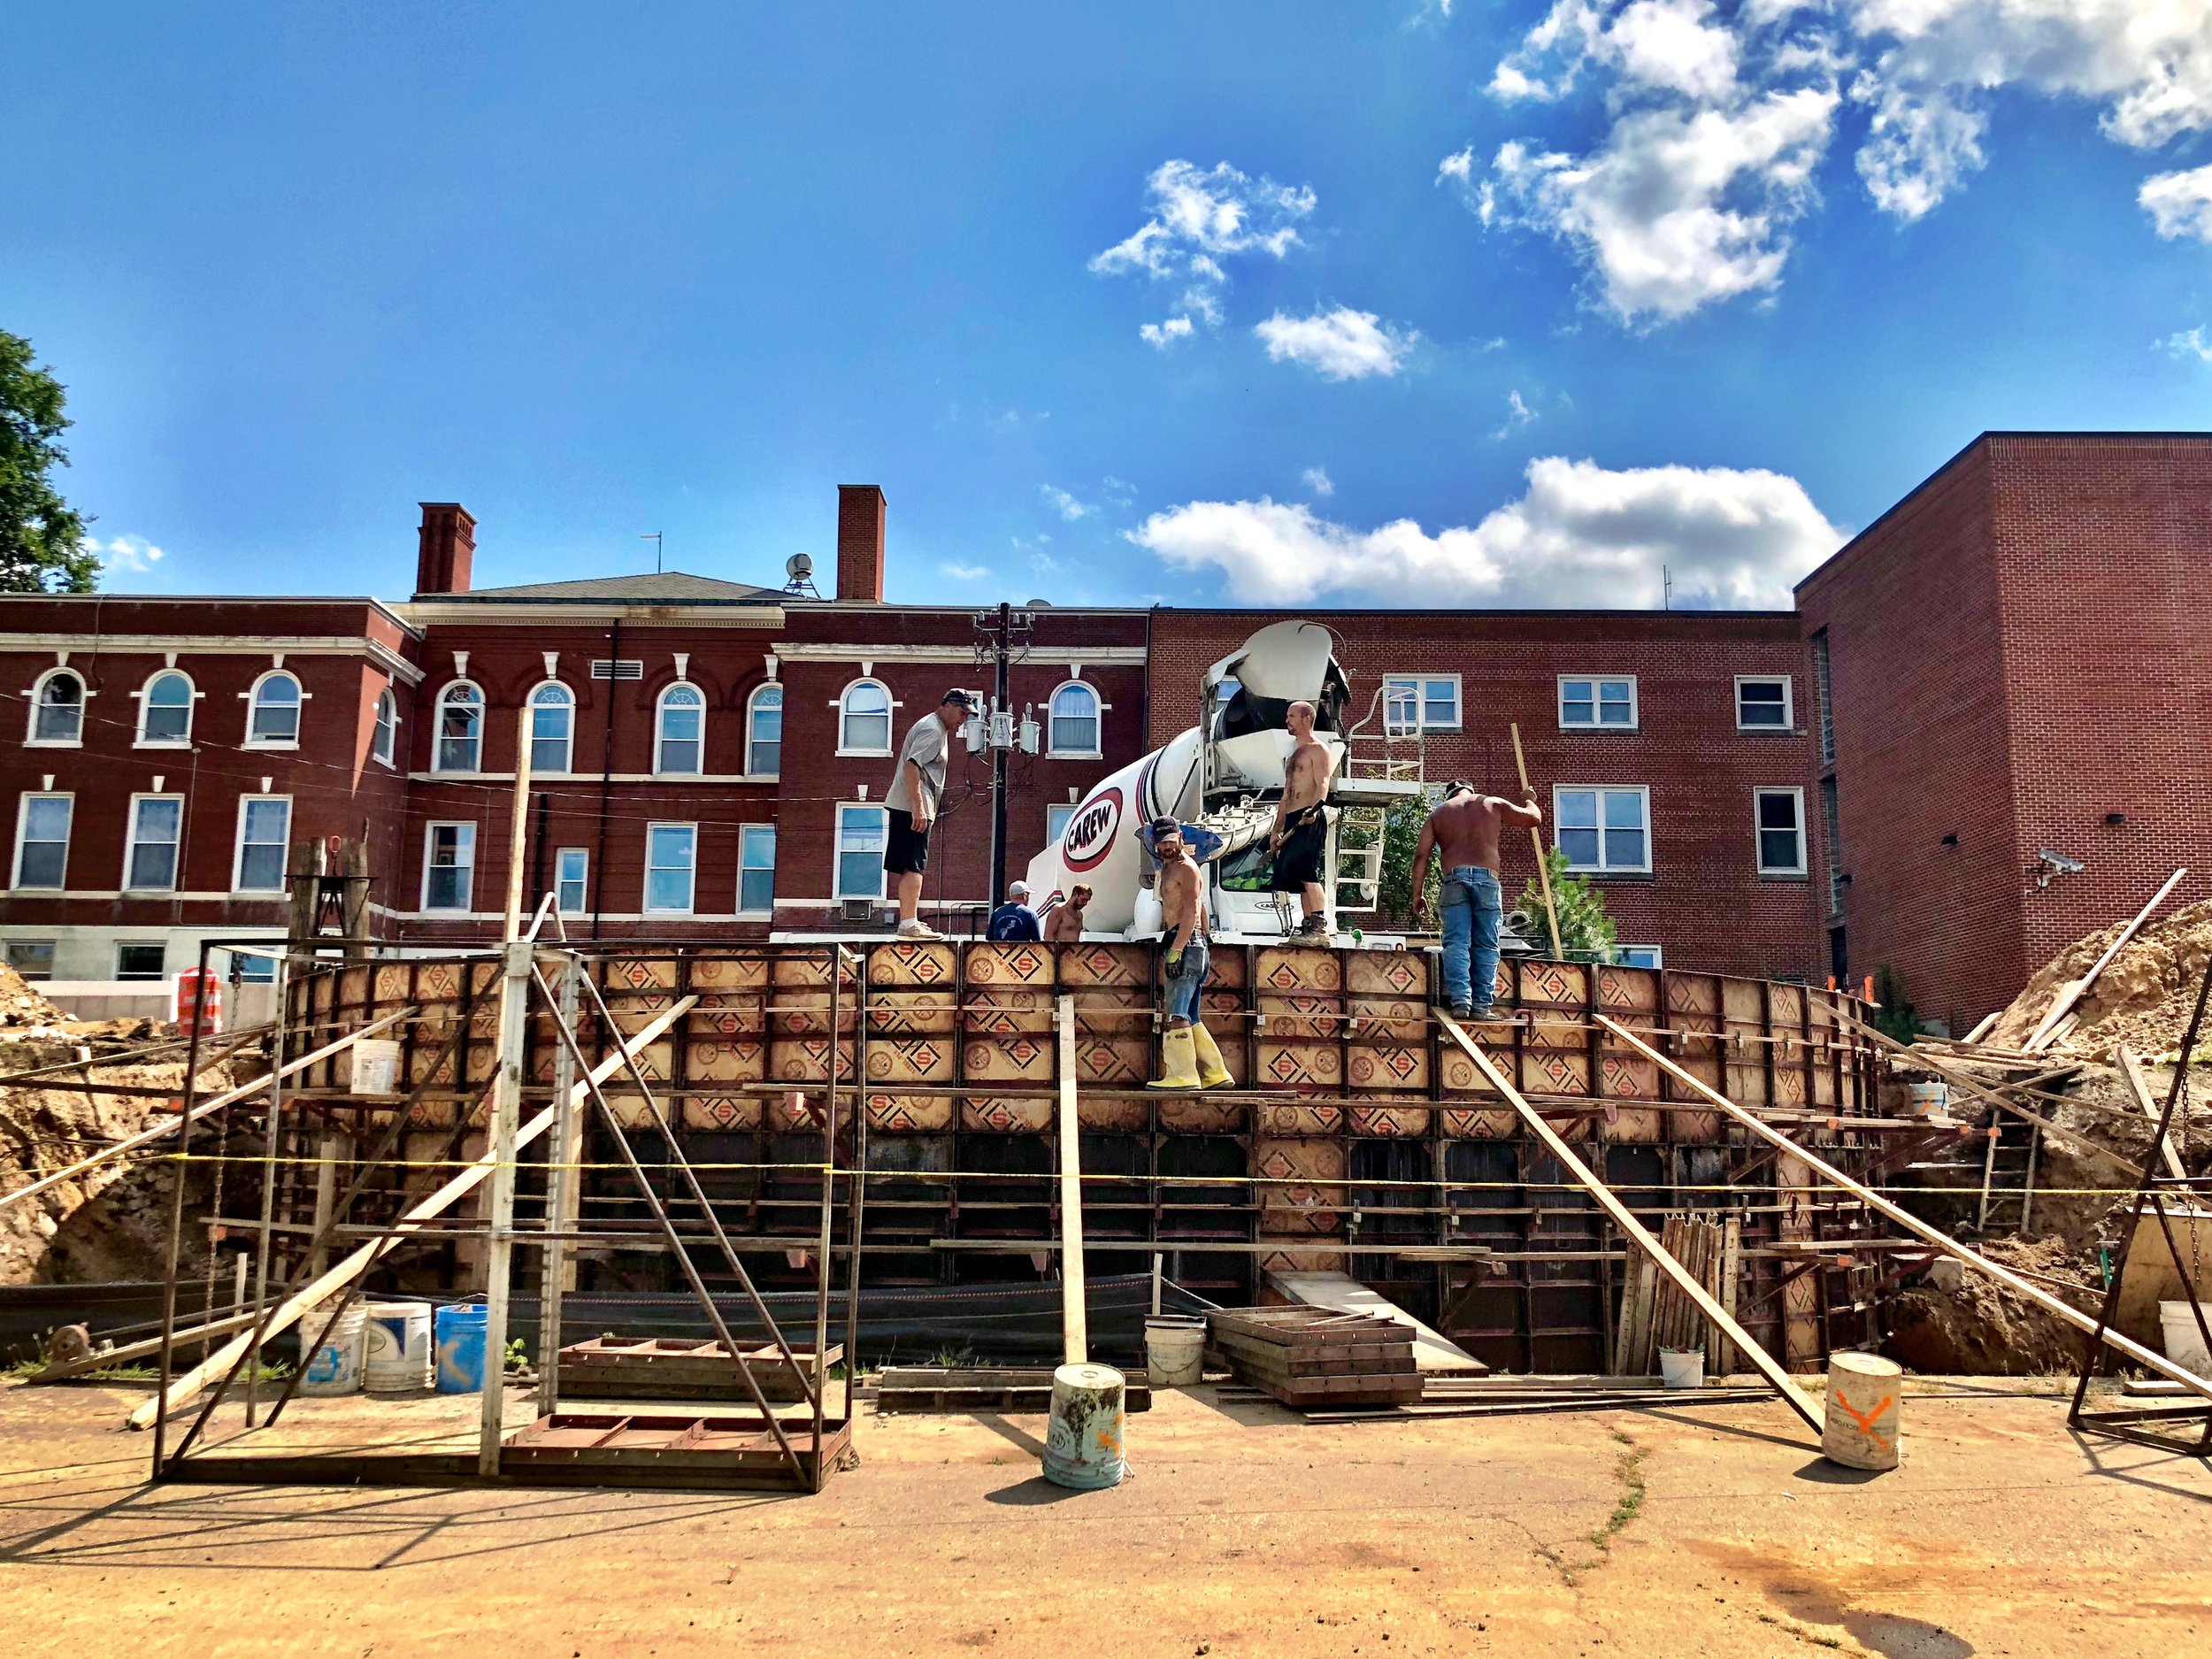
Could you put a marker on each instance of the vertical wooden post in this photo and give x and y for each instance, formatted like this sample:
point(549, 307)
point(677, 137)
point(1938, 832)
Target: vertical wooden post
point(563, 1182)
point(1730, 1282)
point(514, 1006)
point(1074, 1314)
point(327, 1151)
point(1536, 840)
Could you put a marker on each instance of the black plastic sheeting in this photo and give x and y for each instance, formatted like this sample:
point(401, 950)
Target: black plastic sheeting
point(1016, 1324)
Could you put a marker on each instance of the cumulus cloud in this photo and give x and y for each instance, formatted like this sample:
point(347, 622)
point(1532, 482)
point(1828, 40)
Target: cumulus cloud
point(1580, 535)
point(1714, 120)
point(2179, 203)
point(2190, 342)
point(1318, 482)
point(1066, 505)
point(960, 573)
point(1199, 219)
point(125, 554)
point(1339, 344)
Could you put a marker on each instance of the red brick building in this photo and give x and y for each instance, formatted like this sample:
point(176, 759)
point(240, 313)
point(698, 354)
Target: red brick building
point(1654, 740)
point(2020, 656)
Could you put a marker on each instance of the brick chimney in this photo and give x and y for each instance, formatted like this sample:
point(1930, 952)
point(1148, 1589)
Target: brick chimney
point(860, 542)
point(448, 549)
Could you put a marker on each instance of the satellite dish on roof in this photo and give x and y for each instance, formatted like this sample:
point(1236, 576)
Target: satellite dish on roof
point(798, 567)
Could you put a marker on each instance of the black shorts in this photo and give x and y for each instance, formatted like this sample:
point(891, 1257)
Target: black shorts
point(905, 848)
point(1298, 861)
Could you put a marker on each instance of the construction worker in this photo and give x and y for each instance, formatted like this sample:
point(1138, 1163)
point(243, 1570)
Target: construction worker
point(918, 785)
point(1189, 1057)
point(1299, 839)
point(1014, 922)
point(1065, 924)
point(1461, 833)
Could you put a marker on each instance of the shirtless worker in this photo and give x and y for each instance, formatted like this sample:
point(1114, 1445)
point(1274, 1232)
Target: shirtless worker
point(1462, 834)
point(1301, 836)
point(1065, 924)
point(1188, 1056)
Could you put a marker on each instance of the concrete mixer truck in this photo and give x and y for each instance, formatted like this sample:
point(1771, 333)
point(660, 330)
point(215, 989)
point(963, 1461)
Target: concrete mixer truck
point(1224, 776)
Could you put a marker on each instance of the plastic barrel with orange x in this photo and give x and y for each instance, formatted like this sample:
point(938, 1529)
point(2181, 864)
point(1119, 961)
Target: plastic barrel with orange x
point(1865, 1396)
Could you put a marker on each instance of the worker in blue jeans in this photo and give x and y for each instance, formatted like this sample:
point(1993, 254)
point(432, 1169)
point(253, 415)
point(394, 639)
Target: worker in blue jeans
point(1461, 834)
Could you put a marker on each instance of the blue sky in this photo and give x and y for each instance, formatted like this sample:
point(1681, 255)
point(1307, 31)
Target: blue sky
point(1684, 284)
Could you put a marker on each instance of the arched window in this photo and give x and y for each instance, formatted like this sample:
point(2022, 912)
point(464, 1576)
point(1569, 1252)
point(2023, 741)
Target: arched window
point(552, 726)
point(1074, 720)
point(57, 708)
point(764, 733)
point(387, 740)
point(864, 719)
point(680, 736)
point(165, 709)
point(274, 721)
point(460, 728)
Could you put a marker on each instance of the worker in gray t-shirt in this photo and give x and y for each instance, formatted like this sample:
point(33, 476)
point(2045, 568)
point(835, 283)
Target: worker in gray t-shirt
point(916, 786)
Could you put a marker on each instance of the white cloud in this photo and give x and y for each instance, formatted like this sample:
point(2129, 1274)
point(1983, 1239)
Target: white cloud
point(1066, 505)
point(1318, 482)
point(2179, 203)
point(1199, 219)
point(1119, 491)
point(1679, 208)
point(2193, 342)
point(1581, 535)
point(1340, 345)
point(125, 554)
point(960, 573)
point(1518, 414)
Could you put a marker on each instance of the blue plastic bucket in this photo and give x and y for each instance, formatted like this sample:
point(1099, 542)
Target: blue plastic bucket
point(460, 1343)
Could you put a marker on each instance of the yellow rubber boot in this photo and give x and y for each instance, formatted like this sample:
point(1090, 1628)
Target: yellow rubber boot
point(1212, 1073)
point(1178, 1060)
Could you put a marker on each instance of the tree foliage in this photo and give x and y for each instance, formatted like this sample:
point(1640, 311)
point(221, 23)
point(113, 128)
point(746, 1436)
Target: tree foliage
point(42, 537)
point(1401, 834)
point(1896, 1018)
point(1586, 933)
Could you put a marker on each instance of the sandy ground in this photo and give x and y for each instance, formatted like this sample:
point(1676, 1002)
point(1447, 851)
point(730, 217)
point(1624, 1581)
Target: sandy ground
point(1241, 1531)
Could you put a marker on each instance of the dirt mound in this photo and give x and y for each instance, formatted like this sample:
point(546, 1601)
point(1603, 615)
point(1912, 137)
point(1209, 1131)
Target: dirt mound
point(1982, 1329)
point(22, 1008)
point(2142, 999)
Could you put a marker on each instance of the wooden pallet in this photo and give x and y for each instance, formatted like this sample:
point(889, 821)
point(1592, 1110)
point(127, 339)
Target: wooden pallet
point(681, 1368)
point(1310, 1357)
point(957, 1390)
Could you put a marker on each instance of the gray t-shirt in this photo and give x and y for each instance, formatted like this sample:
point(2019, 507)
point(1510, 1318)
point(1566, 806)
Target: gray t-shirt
point(926, 744)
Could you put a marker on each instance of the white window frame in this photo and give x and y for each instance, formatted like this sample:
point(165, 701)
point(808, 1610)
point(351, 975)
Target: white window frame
point(837, 850)
point(568, 736)
point(1789, 701)
point(383, 734)
point(1656, 953)
point(660, 730)
point(752, 707)
point(582, 855)
point(22, 827)
point(1758, 844)
point(246, 803)
point(131, 844)
point(890, 720)
point(1421, 721)
point(1602, 790)
point(446, 696)
point(31, 738)
point(1098, 723)
point(429, 844)
point(1596, 722)
point(122, 945)
point(689, 907)
point(253, 707)
point(146, 707)
point(1056, 816)
point(749, 836)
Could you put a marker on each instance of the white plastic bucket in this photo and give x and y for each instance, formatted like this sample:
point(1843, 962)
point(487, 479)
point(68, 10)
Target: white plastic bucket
point(2184, 1346)
point(1083, 1438)
point(1863, 1422)
point(334, 1368)
point(376, 1066)
point(396, 1358)
point(1932, 1100)
point(1174, 1350)
point(1682, 1367)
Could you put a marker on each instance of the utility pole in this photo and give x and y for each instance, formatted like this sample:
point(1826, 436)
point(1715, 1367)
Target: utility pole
point(1005, 640)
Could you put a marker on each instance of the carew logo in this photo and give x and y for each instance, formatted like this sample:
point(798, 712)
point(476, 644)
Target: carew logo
point(1089, 836)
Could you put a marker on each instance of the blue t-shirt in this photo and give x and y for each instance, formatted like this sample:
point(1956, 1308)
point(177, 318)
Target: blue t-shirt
point(1012, 924)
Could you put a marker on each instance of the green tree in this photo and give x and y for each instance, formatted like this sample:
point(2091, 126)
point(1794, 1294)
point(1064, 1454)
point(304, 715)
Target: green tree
point(1401, 833)
point(1896, 1018)
point(42, 537)
point(1586, 933)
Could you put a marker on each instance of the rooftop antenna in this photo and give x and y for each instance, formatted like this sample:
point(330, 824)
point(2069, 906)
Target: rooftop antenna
point(654, 536)
point(798, 571)
point(1666, 589)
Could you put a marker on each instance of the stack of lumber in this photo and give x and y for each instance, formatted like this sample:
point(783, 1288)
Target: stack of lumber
point(956, 1389)
point(681, 1368)
point(1310, 1357)
point(1654, 1312)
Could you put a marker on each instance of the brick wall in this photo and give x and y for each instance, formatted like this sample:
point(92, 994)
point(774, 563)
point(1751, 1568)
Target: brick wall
point(1704, 903)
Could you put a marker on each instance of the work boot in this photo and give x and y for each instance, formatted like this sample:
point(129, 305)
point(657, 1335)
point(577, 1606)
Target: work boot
point(1178, 1060)
point(1212, 1073)
point(918, 929)
point(1313, 931)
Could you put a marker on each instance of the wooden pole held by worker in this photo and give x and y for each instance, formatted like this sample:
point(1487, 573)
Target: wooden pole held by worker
point(1536, 840)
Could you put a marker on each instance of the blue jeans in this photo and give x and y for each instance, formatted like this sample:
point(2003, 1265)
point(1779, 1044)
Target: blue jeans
point(1184, 987)
point(1473, 911)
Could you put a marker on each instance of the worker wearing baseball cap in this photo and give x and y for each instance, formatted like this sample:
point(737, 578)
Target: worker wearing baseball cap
point(911, 804)
point(1189, 1057)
